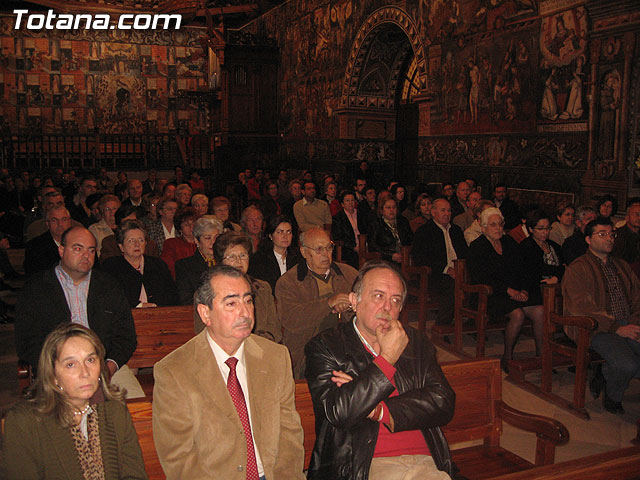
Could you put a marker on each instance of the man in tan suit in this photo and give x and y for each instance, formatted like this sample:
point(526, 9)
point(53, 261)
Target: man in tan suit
point(223, 403)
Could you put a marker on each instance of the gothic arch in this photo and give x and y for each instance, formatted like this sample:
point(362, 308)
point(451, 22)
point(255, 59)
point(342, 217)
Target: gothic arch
point(354, 71)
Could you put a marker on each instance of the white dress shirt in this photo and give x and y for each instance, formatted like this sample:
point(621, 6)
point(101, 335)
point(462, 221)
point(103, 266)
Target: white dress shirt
point(451, 253)
point(241, 372)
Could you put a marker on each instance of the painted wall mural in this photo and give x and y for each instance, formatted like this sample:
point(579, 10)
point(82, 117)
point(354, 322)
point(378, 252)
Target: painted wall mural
point(106, 81)
point(508, 78)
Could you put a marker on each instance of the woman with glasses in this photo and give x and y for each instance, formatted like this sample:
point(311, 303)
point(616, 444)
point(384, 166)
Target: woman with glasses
point(565, 226)
point(146, 280)
point(495, 259)
point(275, 256)
point(232, 248)
point(542, 256)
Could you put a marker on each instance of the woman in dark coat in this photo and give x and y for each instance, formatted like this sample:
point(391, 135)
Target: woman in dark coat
point(495, 259)
point(72, 423)
point(542, 257)
point(390, 231)
point(276, 255)
point(146, 281)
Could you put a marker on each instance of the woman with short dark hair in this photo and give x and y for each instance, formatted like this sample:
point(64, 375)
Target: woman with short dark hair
point(146, 280)
point(184, 244)
point(542, 256)
point(390, 231)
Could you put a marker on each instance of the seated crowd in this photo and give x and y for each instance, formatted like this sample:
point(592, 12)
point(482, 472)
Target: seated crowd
point(271, 258)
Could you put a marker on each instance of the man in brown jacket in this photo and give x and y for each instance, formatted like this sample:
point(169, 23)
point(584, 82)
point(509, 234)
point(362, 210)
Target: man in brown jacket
point(605, 288)
point(313, 296)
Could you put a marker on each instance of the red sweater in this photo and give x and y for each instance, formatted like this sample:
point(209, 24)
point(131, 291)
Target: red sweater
point(410, 442)
point(175, 249)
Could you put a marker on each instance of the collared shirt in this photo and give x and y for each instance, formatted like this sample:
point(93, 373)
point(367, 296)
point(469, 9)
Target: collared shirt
point(619, 302)
point(167, 233)
point(282, 262)
point(241, 372)
point(353, 219)
point(451, 252)
point(76, 295)
point(143, 293)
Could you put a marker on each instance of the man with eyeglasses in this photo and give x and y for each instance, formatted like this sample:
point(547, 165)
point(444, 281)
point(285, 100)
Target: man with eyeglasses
point(605, 288)
point(313, 296)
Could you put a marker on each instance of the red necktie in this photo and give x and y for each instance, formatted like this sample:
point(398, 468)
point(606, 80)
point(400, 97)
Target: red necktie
point(238, 400)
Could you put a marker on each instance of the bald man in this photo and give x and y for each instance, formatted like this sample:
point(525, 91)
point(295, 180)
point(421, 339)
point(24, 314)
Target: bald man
point(134, 189)
point(313, 296)
point(437, 244)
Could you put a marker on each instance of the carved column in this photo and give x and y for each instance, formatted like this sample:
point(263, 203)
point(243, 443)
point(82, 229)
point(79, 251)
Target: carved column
point(621, 140)
point(594, 99)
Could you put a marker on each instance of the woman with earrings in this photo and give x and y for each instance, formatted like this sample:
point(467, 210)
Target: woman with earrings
point(72, 424)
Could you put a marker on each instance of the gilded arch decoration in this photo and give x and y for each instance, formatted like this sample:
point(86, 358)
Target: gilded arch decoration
point(351, 97)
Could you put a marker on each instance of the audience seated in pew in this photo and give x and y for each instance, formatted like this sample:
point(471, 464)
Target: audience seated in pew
point(146, 280)
point(495, 260)
point(110, 246)
point(276, 255)
point(312, 296)
point(232, 248)
point(223, 403)
point(604, 287)
point(386, 422)
point(184, 244)
point(188, 270)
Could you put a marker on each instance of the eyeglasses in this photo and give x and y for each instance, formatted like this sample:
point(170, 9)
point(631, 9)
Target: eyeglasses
point(495, 224)
point(605, 234)
point(320, 250)
point(235, 258)
point(135, 241)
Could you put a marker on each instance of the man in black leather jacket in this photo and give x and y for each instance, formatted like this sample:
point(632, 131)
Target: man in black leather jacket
point(378, 393)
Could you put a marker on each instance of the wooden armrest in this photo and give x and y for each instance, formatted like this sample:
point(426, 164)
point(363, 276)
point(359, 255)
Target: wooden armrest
point(586, 323)
point(479, 288)
point(424, 270)
point(544, 427)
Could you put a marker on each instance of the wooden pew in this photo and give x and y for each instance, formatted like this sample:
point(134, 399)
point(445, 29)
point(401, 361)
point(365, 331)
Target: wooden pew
point(418, 288)
point(464, 311)
point(363, 251)
point(141, 414)
point(479, 414)
point(160, 331)
point(623, 464)
point(558, 353)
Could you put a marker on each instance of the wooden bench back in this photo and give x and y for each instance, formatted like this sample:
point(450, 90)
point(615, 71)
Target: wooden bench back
point(141, 414)
point(160, 331)
point(478, 386)
point(477, 383)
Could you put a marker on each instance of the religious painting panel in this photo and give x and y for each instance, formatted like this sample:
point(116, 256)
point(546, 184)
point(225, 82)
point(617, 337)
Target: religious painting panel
point(484, 85)
point(64, 74)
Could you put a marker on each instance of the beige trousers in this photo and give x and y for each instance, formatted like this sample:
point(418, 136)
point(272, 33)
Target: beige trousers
point(406, 467)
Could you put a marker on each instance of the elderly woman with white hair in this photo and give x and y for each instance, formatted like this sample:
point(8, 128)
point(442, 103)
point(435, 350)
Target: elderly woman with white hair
point(495, 259)
point(189, 270)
